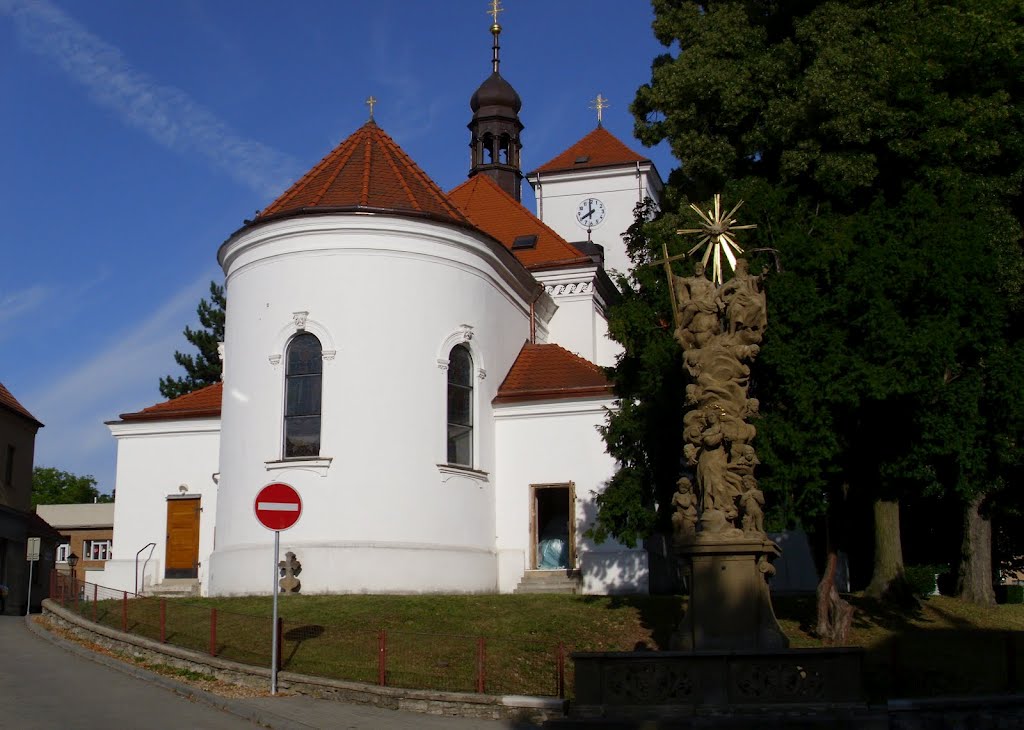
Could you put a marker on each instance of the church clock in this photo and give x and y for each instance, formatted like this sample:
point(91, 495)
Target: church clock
point(590, 213)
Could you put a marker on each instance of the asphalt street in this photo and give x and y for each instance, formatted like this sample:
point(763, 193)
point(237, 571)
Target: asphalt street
point(43, 686)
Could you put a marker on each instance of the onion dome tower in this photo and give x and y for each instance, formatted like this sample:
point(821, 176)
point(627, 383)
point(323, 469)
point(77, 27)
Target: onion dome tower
point(495, 143)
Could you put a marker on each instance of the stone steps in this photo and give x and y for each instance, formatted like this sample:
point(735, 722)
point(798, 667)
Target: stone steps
point(174, 588)
point(549, 581)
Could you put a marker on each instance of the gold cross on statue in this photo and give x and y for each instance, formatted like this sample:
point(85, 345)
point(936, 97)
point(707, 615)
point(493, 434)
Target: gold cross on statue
point(667, 260)
point(495, 9)
point(370, 101)
point(600, 103)
point(718, 236)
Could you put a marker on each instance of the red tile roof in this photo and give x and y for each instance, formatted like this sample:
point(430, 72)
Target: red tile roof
point(550, 372)
point(497, 214)
point(11, 403)
point(202, 403)
point(366, 172)
point(600, 148)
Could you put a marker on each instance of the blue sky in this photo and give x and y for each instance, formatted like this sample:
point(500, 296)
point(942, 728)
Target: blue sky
point(137, 136)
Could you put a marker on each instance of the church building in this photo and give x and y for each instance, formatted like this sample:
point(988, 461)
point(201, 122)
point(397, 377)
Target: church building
point(423, 367)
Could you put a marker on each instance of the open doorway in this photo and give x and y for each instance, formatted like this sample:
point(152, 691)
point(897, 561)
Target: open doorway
point(553, 526)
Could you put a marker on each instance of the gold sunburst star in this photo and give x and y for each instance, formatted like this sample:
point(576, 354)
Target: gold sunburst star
point(718, 236)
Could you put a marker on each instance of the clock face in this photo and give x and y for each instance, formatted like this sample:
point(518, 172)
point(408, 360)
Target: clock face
point(590, 213)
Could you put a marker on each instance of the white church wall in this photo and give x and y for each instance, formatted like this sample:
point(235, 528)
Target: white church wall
point(578, 324)
point(557, 442)
point(619, 188)
point(154, 459)
point(390, 296)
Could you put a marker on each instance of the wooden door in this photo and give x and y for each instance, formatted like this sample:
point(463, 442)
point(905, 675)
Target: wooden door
point(182, 538)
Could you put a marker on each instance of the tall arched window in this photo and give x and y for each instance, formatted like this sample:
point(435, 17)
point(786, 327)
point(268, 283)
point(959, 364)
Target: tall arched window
point(460, 406)
point(303, 379)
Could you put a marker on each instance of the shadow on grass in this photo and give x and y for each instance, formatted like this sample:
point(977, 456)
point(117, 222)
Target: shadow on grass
point(660, 615)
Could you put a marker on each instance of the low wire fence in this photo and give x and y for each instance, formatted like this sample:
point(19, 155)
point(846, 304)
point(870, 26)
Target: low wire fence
point(444, 662)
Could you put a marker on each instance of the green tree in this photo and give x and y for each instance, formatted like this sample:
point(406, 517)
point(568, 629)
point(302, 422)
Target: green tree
point(203, 368)
point(53, 486)
point(880, 147)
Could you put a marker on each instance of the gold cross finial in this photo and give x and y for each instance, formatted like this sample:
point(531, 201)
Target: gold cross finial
point(370, 101)
point(495, 9)
point(600, 104)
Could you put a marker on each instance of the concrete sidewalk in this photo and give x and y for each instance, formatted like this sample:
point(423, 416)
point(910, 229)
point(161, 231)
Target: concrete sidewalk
point(283, 712)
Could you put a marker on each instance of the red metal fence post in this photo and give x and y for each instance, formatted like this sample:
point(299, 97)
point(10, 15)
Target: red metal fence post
point(213, 632)
point(163, 620)
point(560, 669)
point(74, 588)
point(280, 634)
point(124, 611)
point(480, 664)
point(95, 600)
point(382, 658)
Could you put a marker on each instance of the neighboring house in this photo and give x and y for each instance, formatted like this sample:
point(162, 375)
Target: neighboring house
point(87, 531)
point(18, 430)
point(423, 367)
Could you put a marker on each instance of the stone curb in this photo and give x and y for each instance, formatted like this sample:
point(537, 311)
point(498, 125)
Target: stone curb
point(239, 708)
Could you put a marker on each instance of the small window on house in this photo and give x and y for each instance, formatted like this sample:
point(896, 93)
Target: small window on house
point(303, 381)
point(97, 550)
point(9, 465)
point(460, 406)
point(62, 552)
point(582, 160)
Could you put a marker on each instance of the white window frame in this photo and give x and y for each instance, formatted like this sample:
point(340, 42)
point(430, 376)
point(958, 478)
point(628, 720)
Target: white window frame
point(63, 550)
point(106, 549)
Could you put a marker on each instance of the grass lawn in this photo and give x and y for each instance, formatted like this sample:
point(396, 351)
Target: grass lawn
point(944, 646)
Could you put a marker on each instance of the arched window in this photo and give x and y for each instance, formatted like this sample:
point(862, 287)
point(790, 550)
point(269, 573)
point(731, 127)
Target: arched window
point(303, 379)
point(460, 406)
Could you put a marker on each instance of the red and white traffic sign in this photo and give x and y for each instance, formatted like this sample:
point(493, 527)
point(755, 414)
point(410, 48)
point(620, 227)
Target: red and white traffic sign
point(278, 506)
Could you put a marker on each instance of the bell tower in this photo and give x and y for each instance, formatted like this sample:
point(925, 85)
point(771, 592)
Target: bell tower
point(495, 129)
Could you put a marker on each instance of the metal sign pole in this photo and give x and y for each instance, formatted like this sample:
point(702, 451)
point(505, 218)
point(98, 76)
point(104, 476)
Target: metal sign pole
point(273, 642)
point(28, 603)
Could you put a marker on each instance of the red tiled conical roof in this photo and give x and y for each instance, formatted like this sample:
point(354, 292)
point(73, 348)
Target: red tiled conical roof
point(600, 148)
point(549, 372)
point(366, 172)
point(11, 403)
point(202, 403)
point(497, 214)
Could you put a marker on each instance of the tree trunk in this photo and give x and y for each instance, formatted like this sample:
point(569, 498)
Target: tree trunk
point(974, 575)
point(834, 614)
point(888, 581)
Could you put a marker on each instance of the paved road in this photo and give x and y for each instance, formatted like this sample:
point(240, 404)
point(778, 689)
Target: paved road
point(43, 686)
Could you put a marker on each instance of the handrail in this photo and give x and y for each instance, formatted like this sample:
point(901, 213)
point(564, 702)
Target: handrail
point(152, 547)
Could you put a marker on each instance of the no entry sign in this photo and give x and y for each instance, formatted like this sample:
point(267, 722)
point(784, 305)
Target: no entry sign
point(278, 506)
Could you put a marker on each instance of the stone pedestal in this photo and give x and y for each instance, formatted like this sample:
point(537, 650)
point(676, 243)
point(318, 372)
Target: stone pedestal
point(730, 605)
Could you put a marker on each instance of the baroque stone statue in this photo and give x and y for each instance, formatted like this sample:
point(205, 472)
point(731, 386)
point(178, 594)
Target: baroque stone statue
point(719, 325)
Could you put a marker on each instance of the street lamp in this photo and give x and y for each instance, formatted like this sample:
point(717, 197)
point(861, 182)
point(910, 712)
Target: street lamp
point(72, 562)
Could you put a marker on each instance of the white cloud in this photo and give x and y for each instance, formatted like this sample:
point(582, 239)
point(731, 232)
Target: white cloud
point(167, 114)
point(17, 303)
point(119, 378)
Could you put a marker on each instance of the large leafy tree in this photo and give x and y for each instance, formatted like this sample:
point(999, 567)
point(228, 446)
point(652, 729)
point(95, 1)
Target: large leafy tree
point(880, 146)
point(203, 368)
point(53, 486)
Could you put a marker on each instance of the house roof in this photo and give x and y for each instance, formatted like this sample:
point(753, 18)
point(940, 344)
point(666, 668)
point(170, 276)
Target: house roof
point(11, 403)
point(77, 516)
point(202, 403)
point(366, 172)
point(36, 526)
point(600, 148)
point(550, 372)
point(497, 214)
